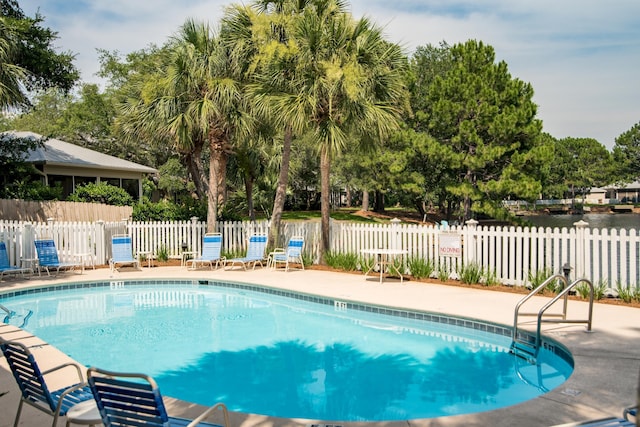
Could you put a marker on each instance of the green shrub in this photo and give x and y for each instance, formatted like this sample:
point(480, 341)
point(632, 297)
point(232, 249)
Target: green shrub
point(162, 254)
point(397, 265)
point(366, 263)
point(554, 286)
point(165, 210)
point(625, 294)
point(443, 273)
point(347, 262)
point(537, 278)
point(471, 273)
point(30, 190)
point(307, 259)
point(490, 278)
point(235, 253)
point(420, 268)
point(101, 193)
point(583, 290)
point(332, 259)
point(600, 289)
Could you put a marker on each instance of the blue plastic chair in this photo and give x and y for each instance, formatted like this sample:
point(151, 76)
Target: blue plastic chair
point(130, 399)
point(211, 249)
point(292, 254)
point(33, 386)
point(122, 252)
point(48, 257)
point(255, 252)
point(5, 265)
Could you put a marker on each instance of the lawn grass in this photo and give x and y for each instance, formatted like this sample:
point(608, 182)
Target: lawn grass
point(338, 215)
point(349, 214)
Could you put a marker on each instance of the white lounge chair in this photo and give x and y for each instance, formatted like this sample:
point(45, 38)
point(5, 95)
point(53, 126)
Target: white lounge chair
point(291, 255)
point(255, 252)
point(211, 249)
point(122, 252)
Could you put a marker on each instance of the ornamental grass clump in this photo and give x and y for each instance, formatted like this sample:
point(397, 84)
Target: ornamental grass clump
point(342, 261)
point(420, 268)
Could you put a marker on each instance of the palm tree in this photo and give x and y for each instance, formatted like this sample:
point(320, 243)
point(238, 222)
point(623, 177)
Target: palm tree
point(199, 101)
point(291, 50)
point(348, 81)
point(258, 36)
point(11, 74)
point(144, 114)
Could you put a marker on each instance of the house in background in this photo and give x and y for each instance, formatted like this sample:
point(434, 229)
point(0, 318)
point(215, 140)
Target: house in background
point(628, 193)
point(69, 165)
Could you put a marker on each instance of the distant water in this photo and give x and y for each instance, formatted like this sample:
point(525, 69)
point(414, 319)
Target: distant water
point(599, 220)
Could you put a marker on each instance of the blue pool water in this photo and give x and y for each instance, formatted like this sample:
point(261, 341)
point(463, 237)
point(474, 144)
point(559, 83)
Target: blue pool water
point(280, 356)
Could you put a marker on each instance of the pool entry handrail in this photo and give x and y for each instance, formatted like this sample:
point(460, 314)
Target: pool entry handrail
point(522, 344)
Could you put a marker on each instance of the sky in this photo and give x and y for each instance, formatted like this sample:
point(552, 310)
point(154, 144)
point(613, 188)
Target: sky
point(582, 57)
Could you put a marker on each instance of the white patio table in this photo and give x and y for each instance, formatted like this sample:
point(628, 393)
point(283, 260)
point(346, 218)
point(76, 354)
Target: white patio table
point(384, 258)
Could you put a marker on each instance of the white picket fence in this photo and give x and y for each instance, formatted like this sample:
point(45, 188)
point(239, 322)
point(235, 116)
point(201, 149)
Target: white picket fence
point(510, 254)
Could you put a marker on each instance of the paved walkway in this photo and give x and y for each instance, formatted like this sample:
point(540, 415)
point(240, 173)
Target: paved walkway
point(607, 359)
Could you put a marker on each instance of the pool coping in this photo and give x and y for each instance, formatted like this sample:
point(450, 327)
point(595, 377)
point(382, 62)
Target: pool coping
point(604, 380)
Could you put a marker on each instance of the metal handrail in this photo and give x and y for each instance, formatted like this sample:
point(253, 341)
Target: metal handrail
point(6, 310)
point(531, 294)
point(564, 294)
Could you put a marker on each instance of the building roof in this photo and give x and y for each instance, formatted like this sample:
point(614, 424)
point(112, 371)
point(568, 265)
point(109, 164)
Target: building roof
point(635, 185)
point(59, 153)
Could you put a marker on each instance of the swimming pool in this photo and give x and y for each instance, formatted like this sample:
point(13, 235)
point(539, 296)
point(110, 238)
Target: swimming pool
point(273, 352)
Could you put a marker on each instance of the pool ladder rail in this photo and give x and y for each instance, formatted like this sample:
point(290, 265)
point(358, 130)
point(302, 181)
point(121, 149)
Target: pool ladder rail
point(528, 347)
point(11, 314)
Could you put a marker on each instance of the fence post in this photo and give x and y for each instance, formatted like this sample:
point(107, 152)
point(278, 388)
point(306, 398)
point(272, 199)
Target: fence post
point(193, 238)
point(50, 222)
point(395, 225)
point(581, 248)
point(469, 244)
point(99, 249)
point(28, 247)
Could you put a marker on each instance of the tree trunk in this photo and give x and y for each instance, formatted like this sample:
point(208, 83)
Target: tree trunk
point(217, 181)
point(248, 188)
point(281, 190)
point(325, 208)
point(365, 200)
point(212, 194)
point(420, 207)
point(379, 202)
point(469, 177)
point(196, 169)
point(348, 197)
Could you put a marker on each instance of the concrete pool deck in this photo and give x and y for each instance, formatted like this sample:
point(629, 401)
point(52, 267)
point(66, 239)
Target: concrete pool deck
point(607, 359)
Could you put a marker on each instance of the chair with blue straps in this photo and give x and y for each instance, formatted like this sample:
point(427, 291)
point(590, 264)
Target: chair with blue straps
point(33, 385)
point(255, 252)
point(211, 249)
point(122, 252)
point(130, 399)
point(5, 265)
point(48, 257)
point(291, 255)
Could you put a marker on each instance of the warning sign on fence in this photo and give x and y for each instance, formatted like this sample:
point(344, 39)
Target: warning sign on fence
point(450, 244)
